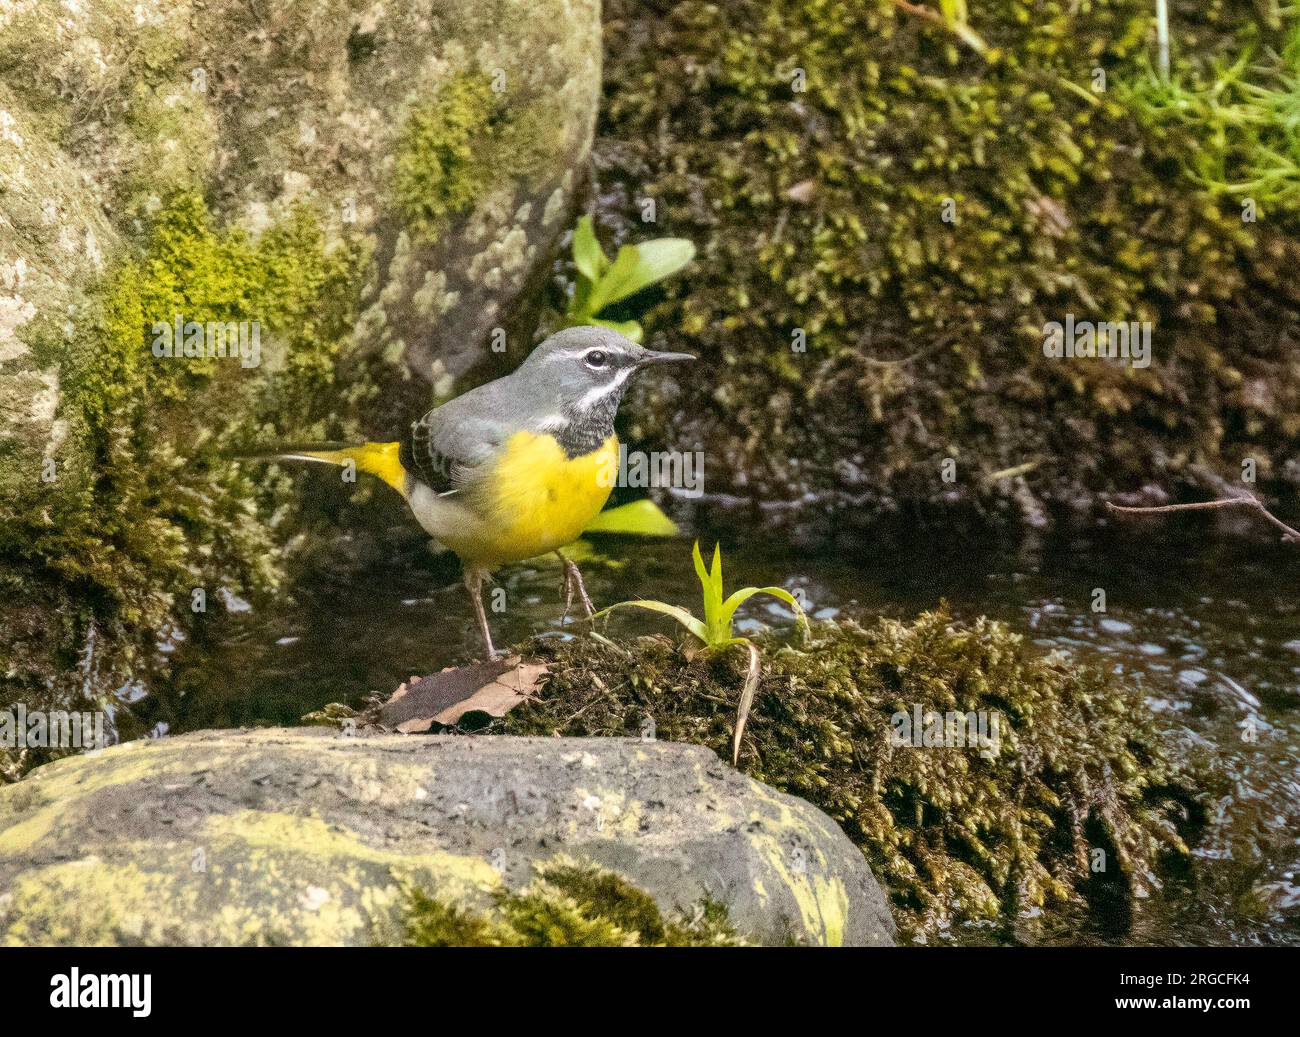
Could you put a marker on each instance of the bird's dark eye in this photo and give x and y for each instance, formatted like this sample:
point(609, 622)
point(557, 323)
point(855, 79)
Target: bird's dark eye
point(597, 358)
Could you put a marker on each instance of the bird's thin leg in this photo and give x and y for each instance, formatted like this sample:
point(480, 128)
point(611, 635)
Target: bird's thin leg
point(567, 590)
point(572, 581)
point(474, 584)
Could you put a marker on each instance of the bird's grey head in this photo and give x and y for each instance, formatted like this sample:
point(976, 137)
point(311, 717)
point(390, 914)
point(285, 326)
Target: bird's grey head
point(576, 380)
point(585, 370)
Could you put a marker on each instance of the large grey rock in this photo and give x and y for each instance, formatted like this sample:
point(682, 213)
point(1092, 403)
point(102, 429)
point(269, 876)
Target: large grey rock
point(305, 837)
point(109, 106)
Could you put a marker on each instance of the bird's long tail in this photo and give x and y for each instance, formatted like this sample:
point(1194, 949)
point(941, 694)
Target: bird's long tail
point(377, 459)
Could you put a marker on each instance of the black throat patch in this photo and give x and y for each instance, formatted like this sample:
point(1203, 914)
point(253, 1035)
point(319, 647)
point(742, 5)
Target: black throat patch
point(585, 431)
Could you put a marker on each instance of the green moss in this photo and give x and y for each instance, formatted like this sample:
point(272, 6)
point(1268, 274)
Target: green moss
point(566, 905)
point(431, 923)
point(822, 210)
point(452, 149)
point(623, 905)
point(436, 171)
point(147, 505)
point(953, 835)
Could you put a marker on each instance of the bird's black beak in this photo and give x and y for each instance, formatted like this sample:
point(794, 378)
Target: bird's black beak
point(650, 356)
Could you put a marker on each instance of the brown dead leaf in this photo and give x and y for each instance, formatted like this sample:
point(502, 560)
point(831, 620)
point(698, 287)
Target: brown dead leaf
point(443, 698)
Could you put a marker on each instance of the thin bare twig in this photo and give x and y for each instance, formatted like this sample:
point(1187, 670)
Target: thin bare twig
point(1162, 37)
point(959, 28)
point(1011, 473)
point(1288, 534)
point(746, 701)
point(921, 11)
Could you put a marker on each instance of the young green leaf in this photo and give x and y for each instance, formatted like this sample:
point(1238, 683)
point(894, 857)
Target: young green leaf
point(698, 559)
point(704, 579)
point(639, 517)
point(588, 256)
point(661, 258)
point(715, 575)
point(579, 311)
point(638, 266)
point(719, 628)
point(737, 599)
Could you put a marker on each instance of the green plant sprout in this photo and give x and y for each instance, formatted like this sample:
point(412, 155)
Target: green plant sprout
point(714, 632)
point(602, 282)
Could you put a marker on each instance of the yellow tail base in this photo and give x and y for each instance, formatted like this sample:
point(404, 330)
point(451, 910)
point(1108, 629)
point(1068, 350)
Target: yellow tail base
point(377, 459)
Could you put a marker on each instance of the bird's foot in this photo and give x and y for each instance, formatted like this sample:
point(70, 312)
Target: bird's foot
point(573, 583)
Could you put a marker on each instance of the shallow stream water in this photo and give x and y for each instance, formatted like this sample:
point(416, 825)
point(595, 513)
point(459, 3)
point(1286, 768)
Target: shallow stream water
point(1210, 631)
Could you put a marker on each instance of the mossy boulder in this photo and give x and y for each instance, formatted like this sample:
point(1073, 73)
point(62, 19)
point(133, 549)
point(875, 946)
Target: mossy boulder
point(304, 168)
point(985, 784)
point(305, 837)
point(887, 221)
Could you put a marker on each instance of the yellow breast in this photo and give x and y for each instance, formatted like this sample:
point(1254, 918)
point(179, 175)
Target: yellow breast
point(536, 498)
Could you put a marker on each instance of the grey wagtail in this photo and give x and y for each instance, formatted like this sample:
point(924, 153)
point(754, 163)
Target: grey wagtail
point(518, 467)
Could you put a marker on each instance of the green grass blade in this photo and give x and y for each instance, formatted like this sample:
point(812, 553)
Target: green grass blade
point(700, 571)
point(719, 627)
point(676, 612)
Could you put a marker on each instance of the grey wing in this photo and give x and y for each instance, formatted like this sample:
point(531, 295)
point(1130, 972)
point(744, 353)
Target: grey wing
point(448, 445)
